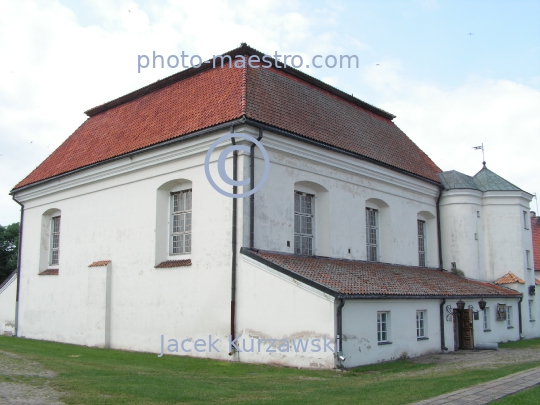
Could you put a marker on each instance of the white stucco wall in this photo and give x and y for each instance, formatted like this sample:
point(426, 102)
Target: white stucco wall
point(273, 305)
point(349, 185)
point(8, 294)
point(360, 344)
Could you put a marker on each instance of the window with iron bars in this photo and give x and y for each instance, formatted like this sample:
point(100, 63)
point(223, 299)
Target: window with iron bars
point(303, 223)
point(55, 241)
point(181, 222)
point(421, 243)
point(372, 234)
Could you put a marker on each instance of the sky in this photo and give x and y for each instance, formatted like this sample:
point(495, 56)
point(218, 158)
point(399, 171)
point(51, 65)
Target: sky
point(455, 73)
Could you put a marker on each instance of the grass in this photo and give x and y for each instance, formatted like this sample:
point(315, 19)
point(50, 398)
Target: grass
point(98, 376)
point(521, 344)
point(530, 396)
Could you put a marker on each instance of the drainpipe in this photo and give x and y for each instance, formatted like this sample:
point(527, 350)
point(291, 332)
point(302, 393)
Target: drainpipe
point(19, 267)
point(443, 347)
point(340, 329)
point(233, 264)
point(252, 196)
point(439, 228)
point(519, 316)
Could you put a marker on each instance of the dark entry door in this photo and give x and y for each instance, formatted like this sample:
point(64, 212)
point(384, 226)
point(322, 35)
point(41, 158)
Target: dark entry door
point(466, 333)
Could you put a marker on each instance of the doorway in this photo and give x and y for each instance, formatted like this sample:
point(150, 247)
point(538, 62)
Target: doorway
point(463, 329)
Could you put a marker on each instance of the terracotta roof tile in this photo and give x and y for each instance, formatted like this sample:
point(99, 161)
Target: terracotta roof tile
point(509, 278)
point(535, 228)
point(196, 99)
point(100, 263)
point(49, 272)
point(364, 279)
point(536, 281)
point(173, 263)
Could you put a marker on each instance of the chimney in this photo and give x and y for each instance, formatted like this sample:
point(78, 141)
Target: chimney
point(533, 214)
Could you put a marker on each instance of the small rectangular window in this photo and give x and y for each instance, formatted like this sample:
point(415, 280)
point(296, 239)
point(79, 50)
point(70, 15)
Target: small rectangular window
point(382, 327)
point(55, 241)
point(181, 206)
point(487, 323)
point(531, 315)
point(509, 319)
point(525, 220)
point(421, 243)
point(421, 324)
point(303, 223)
point(528, 259)
point(372, 234)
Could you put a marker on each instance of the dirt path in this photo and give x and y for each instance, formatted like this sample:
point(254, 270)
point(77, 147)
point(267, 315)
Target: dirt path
point(27, 382)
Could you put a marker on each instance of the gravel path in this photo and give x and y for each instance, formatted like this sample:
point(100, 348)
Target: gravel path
point(34, 391)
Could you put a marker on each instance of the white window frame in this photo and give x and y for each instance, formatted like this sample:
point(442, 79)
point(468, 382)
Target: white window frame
point(486, 321)
point(422, 240)
point(304, 214)
point(184, 228)
point(54, 250)
point(528, 259)
point(531, 317)
point(383, 327)
point(372, 230)
point(421, 324)
point(509, 318)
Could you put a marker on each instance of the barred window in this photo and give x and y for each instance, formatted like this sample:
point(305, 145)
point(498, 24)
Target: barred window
point(422, 243)
point(303, 223)
point(509, 319)
point(372, 234)
point(421, 324)
point(55, 241)
point(487, 324)
point(181, 222)
point(382, 327)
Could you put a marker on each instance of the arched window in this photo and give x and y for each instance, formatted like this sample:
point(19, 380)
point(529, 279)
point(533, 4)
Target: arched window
point(426, 226)
point(311, 219)
point(49, 257)
point(378, 232)
point(174, 225)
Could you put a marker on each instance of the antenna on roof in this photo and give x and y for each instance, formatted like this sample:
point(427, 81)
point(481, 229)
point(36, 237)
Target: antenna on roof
point(483, 158)
point(536, 198)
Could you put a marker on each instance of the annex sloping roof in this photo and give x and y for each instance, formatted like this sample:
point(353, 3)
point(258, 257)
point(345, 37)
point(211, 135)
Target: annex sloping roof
point(535, 229)
point(8, 280)
point(484, 180)
point(509, 278)
point(201, 98)
point(361, 279)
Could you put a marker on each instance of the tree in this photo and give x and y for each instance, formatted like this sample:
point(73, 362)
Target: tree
point(9, 249)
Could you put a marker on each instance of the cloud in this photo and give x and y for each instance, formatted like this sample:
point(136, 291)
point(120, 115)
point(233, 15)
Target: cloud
point(447, 123)
point(59, 60)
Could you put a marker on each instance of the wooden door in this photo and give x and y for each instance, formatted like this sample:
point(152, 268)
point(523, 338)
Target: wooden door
point(466, 333)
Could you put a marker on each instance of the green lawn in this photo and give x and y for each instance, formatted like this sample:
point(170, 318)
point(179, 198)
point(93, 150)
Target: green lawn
point(530, 396)
point(521, 344)
point(98, 376)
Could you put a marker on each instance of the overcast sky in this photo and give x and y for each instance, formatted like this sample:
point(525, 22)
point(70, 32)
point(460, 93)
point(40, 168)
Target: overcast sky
point(455, 73)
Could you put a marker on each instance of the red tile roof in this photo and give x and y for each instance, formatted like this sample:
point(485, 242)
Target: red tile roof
point(196, 99)
point(536, 281)
point(509, 278)
point(100, 263)
point(49, 272)
point(535, 229)
point(355, 278)
point(173, 263)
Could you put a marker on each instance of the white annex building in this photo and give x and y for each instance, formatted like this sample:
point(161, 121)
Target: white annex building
point(356, 249)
